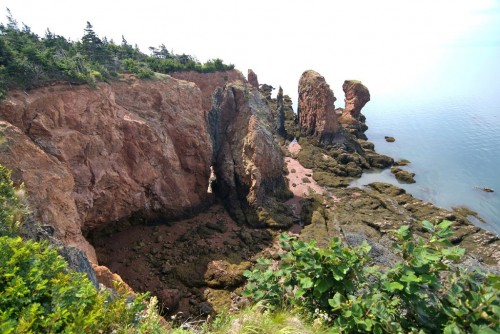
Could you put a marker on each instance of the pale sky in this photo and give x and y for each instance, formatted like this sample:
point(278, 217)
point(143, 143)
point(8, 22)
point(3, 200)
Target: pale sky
point(383, 43)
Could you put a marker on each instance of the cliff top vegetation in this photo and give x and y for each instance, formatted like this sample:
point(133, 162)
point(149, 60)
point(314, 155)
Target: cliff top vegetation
point(28, 60)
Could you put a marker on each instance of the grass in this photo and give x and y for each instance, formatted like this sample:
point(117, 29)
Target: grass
point(256, 319)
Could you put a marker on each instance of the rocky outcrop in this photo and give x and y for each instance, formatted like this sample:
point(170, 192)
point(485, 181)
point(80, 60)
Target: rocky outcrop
point(280, 108)
point(208, 82)
point(252, 78)
point(356, 96)
point(248, 163)
point(92, 156)
point(316, 109)
point(48, 182)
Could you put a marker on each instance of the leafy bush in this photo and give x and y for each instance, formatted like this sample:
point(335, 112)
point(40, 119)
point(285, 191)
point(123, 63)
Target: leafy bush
point(11, 208)
point(40, 295)
point(424, 292)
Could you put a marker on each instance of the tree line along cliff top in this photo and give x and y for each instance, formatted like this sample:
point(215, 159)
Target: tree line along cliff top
point(27, 60)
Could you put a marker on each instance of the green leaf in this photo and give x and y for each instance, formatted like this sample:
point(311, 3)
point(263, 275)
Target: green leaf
point(324, 285)
point(393, 286)
point(306, 283)
point(336, 301)
point(428, 226)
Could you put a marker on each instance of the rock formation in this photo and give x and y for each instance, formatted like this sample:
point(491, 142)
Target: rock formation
point(252, 79)
point(356, 96)
point(280, 106)
point(92, 156)
point(248, 163)
point(208, 82)
point(316, 109)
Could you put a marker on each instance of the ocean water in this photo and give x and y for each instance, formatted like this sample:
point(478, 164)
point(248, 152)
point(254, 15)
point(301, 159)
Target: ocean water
point(448, 125)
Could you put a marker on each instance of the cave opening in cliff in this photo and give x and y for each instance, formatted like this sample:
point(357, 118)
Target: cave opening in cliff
point(193, 265)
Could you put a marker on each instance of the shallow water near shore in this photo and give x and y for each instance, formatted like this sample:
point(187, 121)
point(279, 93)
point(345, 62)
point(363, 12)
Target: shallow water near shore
point(449, 128)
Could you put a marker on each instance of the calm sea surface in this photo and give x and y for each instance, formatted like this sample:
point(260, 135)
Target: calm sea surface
point(448, 126)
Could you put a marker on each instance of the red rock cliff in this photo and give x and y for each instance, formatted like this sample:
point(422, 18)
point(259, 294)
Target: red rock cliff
point(92, 156)
point(208, 82)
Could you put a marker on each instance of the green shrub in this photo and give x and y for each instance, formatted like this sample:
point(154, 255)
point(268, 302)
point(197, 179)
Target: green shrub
point(38, 294)
point(11, 208)
point(424, 292)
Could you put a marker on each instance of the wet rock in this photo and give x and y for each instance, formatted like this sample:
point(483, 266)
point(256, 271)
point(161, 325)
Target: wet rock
point(366, 145)
point(402, 162)
point(403, 175)
point(387, 189)
point(389, 139)
point(379, 160)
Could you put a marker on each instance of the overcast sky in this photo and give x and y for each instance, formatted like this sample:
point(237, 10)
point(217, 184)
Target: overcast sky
point(383, 43)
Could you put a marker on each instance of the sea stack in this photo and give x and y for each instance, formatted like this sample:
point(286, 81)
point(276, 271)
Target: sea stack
point(316, 108)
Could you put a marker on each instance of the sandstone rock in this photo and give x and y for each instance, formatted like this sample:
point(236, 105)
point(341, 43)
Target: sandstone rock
point(316, 109)
point(109, 279)
point(252, 79)
point(356, 96)
point(91, 156)
point(248, 162)
point(48, 183)
point(208, 82)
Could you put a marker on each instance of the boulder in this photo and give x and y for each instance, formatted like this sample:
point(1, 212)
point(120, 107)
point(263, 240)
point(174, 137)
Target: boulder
point(222, 274)
point(316, 110)
point(403, 175)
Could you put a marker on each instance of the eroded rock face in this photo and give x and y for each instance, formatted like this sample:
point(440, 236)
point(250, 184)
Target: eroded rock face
point(208, 82)
point(252, 78)
point(356, 96)
point(316, 109)
point(248, 163)
point(92, 156)
point(48, 182)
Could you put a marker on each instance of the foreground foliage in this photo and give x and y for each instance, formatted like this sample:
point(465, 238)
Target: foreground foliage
point(28, 61)
point(40, 294)
point(423, 293)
